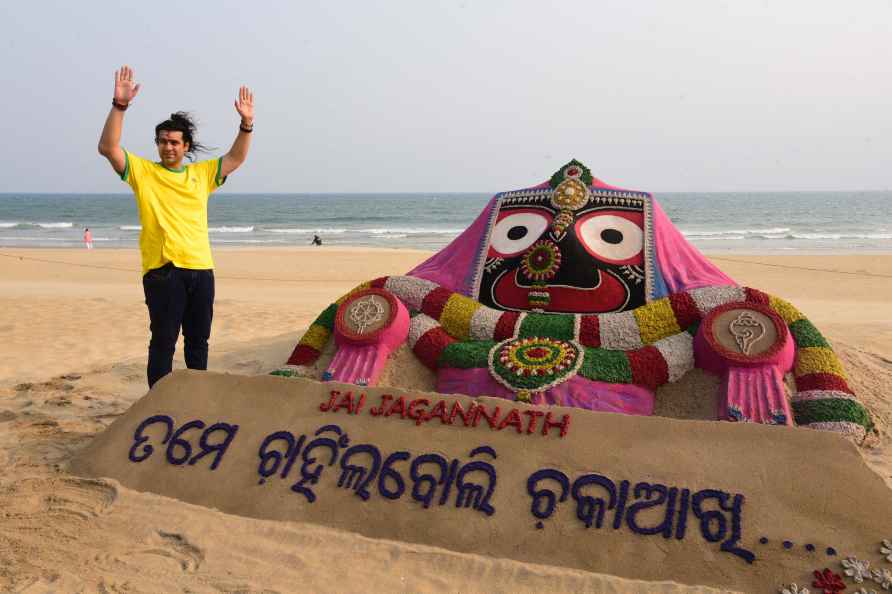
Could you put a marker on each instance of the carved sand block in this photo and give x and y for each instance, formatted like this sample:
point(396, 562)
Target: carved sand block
point(640, 497)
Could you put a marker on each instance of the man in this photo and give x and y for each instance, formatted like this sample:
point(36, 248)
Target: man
point(178, 276)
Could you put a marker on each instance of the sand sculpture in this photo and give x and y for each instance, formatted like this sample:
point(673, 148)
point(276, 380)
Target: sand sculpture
point(577, 293)
point(565, 298)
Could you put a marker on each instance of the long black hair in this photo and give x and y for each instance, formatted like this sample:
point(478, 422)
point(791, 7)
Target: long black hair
point(182, 121)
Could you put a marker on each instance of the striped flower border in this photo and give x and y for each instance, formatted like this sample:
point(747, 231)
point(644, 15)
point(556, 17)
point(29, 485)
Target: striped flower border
point(649, 345)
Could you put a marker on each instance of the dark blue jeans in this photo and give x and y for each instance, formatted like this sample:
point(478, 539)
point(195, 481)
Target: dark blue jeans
point(178, 297)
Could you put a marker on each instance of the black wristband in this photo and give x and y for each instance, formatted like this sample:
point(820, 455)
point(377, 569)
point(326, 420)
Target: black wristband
point(246, 130)
point(120, 106)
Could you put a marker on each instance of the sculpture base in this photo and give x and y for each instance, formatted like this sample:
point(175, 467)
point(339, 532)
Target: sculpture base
point(647, 498)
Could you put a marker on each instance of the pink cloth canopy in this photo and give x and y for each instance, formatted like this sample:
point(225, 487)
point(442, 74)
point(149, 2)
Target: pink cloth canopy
point(674, 263)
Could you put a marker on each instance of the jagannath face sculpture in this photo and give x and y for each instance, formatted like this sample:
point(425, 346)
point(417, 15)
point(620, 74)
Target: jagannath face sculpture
point(577, 293)
point(564, 249)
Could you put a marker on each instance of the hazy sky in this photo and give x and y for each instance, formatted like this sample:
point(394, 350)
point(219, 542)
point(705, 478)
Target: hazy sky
point(462, 96)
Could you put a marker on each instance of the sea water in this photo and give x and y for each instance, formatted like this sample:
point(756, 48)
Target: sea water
point(781, 222)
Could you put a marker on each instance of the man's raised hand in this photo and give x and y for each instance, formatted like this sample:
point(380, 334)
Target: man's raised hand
point(110, 140)
point(244, 105)
point(125, 89)
point(232, 160)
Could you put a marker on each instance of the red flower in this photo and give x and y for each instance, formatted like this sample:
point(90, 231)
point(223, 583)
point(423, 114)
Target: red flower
point(828, 582)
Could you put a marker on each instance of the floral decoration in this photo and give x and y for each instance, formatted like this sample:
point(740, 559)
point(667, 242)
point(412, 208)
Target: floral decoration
point(534, 364)
point(735, 414)
point(886, 549)
point(793, 589)
point(542, 261)
point(828, 582)
point(778, 417)
point(563, 220)
point(572, 170)
point(823, 398)
point(570, 194)
point(883, 577)
point(856, 568)
point(538, 297)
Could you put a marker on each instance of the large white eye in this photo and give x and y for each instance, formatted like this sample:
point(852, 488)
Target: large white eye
point(518, 231)
point(611, 238)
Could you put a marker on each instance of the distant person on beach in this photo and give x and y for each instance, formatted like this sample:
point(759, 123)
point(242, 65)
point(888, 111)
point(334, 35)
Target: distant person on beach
point(172, 197)
point(88, 239)
point(316, 240)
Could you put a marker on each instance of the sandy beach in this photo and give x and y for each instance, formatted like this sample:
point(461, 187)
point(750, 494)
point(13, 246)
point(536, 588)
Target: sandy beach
point(74, 331)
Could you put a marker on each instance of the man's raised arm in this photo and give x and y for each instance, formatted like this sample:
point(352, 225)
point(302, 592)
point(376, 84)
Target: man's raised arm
point(244, 105)
point(110, 141)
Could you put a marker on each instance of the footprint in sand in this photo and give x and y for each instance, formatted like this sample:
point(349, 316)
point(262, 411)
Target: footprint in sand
point(53, 384)
point(254, 366)
point(72, 497)
point(108, 586)
point(176, 547)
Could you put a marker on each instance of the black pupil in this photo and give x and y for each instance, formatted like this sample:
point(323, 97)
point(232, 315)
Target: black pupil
point(612, 236)
point(517, 232)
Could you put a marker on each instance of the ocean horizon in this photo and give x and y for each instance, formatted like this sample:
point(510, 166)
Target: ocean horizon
point(744, 222)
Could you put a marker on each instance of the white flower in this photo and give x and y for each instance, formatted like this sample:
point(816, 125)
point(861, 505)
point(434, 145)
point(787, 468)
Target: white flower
point(856, 569)
point(886, 549)
point(883, 577)
point(863, 590)
point(794, 589)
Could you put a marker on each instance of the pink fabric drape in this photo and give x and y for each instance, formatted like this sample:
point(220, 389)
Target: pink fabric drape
point(578, 392)
point(453, 267)
point(682, 265)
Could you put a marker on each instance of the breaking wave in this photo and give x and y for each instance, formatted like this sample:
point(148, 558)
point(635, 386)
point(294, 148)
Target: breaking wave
point(231, 229)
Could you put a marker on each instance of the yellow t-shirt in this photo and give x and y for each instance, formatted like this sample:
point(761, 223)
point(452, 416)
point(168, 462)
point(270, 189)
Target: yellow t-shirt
point(173, 211)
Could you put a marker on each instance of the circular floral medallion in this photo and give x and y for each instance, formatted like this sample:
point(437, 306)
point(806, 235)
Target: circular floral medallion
point(365, 315)
point(570, 193)
point(528, 365)
point(745, 333)
point(542, 260)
